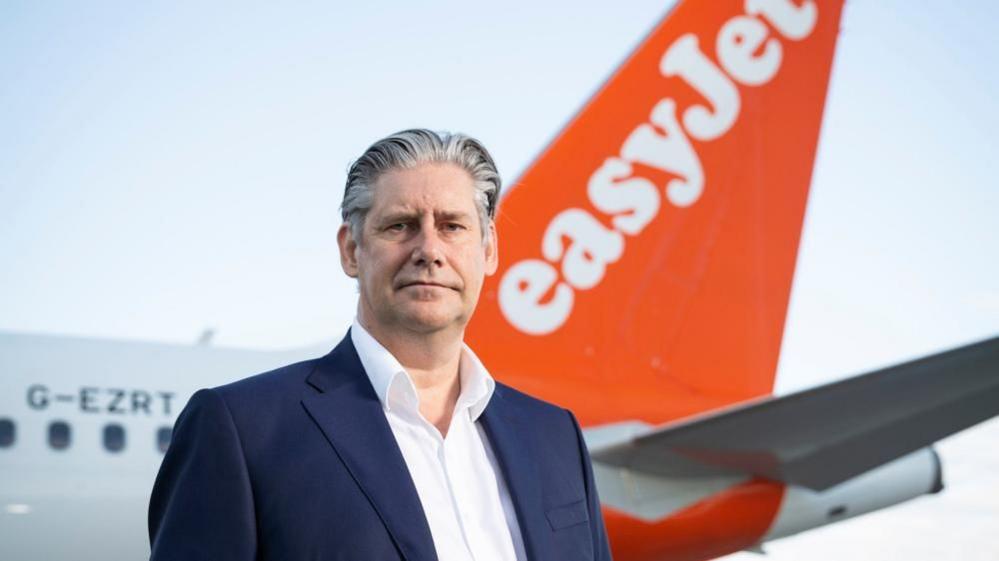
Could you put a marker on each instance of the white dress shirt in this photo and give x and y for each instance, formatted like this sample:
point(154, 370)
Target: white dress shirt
point(460, 485)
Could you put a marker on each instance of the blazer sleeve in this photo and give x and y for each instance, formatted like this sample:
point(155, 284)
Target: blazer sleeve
point(601, 545)
point(201, 506)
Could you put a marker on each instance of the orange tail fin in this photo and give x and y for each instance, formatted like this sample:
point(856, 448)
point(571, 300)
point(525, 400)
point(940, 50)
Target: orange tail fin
point(647, 254)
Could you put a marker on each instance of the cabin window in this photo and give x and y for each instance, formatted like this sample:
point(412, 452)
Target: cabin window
point(114, 437)
point(163, 436)
point(7, 433)
point(60, 435)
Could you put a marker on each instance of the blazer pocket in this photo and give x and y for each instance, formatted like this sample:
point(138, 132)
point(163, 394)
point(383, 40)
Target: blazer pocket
point(568, 515)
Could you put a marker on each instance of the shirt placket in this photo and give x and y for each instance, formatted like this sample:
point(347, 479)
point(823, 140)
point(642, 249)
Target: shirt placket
point(479, 489)
point(453, 476)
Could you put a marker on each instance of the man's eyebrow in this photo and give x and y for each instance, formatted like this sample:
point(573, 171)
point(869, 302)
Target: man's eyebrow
point(394, 216)
point(398, 216)
point(456, 215)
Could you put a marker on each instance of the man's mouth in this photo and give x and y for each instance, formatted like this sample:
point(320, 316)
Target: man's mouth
point(425, 284)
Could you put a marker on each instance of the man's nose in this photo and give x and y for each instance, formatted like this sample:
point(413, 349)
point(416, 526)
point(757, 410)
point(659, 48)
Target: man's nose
point(427, 250)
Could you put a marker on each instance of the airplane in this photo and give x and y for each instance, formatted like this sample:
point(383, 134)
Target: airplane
point(647, 258)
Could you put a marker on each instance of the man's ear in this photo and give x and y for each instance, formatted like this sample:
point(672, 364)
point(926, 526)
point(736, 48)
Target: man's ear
point(348, 250)
point(492, 250)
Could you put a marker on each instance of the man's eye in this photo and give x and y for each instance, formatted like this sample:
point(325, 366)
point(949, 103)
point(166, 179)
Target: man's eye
point(453, 227)
point(398, 227)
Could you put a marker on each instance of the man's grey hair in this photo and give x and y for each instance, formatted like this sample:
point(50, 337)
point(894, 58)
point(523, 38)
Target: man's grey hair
point(408, 149)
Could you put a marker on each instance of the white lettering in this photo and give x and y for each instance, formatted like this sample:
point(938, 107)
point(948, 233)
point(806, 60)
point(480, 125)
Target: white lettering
point(672, 153)
point(593, 247)
point(738, 39)
point(636, 196)
point(520, 293)
point(684, 58)
point(793, 22)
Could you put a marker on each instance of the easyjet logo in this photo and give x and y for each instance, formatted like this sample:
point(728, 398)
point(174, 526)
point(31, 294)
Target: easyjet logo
point(746, 54)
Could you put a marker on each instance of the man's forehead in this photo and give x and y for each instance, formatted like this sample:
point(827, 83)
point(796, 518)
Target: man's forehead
point(427, 188)
point(440, 211)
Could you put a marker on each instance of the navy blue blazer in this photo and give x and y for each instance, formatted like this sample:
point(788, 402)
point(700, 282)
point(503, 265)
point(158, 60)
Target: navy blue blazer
point(300, 463)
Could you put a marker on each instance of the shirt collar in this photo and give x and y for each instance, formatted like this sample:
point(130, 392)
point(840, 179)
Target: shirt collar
point(395, 388)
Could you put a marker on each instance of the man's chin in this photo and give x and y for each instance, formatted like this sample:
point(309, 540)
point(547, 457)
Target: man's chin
point(429, 321)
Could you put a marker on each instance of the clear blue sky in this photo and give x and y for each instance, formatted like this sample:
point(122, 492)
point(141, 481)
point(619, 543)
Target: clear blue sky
point(170, 167)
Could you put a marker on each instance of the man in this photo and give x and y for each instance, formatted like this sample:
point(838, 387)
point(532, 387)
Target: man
point(398, 444)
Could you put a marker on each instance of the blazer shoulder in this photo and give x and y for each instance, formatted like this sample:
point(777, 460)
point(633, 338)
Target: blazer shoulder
point(531, 405)
point(276, 385)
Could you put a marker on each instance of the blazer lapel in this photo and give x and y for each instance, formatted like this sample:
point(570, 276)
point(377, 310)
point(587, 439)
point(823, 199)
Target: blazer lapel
point(511, 441)
point(350, 415)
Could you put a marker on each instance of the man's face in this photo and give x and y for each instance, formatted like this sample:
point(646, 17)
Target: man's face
point(421, 259)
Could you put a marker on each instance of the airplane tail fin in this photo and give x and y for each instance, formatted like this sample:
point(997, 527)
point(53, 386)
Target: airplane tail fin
point(647, 254)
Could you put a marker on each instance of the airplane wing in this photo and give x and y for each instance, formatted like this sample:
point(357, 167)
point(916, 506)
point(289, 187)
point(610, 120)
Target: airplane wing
point(823, 436)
